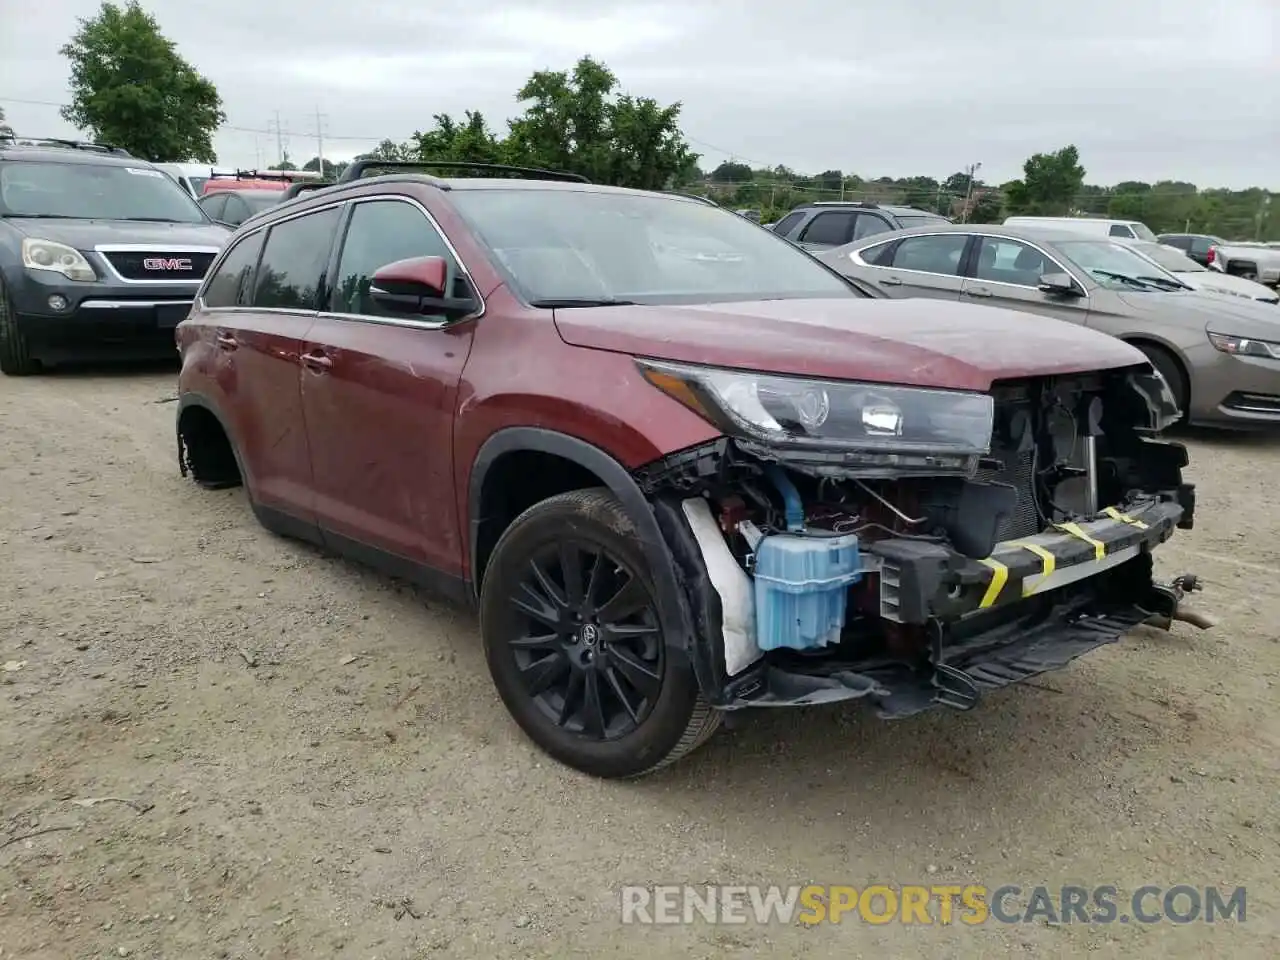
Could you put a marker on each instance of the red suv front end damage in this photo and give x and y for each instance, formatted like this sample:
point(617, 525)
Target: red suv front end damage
point(916, 545)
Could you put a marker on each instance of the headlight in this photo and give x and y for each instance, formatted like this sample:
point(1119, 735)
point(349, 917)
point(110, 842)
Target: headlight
point(1245, 347)
point(865, 425)
point(58, 258)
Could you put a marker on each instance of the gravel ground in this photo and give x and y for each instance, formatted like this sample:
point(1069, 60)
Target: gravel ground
point(316, 764)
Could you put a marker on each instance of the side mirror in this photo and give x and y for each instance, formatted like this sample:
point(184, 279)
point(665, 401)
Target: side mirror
point(417, 285)
point(1059, 284)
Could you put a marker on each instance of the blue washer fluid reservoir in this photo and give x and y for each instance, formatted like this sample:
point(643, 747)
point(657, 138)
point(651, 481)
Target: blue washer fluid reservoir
point(801, 585)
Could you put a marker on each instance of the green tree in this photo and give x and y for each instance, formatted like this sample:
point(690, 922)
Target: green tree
point(469, 141)
point(130, 88)
point(332, 170)
point(985, 207)
point(731, 172)
point(576, 121)
point(390, 150)
point(1049, 184)
point(285, 163)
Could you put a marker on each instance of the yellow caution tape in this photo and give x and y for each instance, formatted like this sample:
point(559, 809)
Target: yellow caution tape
point(1099, 548)
point(999, 577)
point(1115, 514)
point(1047, 560)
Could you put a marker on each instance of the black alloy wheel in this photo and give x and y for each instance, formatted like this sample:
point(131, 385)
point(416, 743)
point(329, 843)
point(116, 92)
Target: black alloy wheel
point(575, 645)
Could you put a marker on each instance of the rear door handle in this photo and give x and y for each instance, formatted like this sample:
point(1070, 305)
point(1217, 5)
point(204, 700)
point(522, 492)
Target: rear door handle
point(316, 361)
point(891, 282)
point(979, 293)
point(226, 341)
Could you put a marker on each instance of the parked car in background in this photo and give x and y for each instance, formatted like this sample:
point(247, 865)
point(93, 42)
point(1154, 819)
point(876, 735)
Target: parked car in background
point(1253, 261)
point(100, 255)
point(1198, 277)
point(193, 176)
point(506, 389)
point(234, 207)
point(1126, 229)
point(826, 224)
point(278, 180)
point(1218, 355)
point(1198, 246)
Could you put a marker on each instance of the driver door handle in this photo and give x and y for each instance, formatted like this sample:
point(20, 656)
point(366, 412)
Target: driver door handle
point(978, 293)
point(226, 341)
point(316, 361)
point(891, 282)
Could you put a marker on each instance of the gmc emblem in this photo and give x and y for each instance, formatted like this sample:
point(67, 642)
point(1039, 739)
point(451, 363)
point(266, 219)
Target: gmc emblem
point(166, 263)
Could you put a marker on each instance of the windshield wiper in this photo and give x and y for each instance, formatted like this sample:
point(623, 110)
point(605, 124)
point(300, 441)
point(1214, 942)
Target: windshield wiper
point(1165, 283)
point(566, 303)
point(1122, 277)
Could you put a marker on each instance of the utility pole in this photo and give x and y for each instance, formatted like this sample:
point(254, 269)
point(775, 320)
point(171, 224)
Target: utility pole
point(973, 169)
point(278, 129)
point(320, 122)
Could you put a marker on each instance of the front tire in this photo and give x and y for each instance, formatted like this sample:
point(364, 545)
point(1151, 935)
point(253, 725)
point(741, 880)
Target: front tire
point(575, 646)
point(15, 355)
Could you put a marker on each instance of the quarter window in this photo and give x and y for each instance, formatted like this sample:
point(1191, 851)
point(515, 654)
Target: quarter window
point(939, 254)
point(382, 232)
point(1010, 261)
point(877, 255)
point(231, 283)
point(1120, 230)
point(788, 223)
point(293, 265)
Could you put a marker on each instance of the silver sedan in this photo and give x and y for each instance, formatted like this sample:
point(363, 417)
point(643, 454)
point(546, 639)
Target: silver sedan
point(1221, 358)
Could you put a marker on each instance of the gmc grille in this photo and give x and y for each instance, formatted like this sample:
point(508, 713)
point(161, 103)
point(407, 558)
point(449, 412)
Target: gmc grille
point(160, 265)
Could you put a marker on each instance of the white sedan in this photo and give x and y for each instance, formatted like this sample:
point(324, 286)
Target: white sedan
point(1197, 277)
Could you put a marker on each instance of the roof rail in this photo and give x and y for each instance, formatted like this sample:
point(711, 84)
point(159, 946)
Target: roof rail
point(357, 168)
point(692, 196)
point(868, 204)
point(302, 187)
point(25, 141)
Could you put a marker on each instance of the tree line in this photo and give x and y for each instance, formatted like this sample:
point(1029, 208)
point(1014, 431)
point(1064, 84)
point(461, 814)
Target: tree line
point(130, 87)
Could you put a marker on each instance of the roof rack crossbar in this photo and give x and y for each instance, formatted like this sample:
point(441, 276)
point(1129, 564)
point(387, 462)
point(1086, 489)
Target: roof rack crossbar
point(357, 169)
point(23, 140)
point(285, 176)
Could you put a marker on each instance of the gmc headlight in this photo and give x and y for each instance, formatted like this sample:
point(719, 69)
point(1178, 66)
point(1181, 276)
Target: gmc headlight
point(849, 425)
point(58, 258)
point(1245, 346)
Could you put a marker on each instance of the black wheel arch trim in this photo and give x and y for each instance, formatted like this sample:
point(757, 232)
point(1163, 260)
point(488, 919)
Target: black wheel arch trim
point(674, 611)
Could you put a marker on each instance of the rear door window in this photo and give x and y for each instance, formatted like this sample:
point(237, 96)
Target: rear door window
point(939, 254)
point(231, 284)
point(291, 275)
point(832, 227)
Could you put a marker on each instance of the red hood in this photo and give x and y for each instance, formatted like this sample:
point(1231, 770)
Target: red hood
point(920, 342)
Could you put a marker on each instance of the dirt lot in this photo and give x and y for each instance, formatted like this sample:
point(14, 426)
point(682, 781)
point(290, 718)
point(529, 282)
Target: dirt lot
point(306, 744)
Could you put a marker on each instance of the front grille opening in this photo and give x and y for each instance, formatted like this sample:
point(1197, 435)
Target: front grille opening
point(1252, 402)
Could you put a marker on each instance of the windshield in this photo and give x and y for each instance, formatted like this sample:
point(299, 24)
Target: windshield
point(590, 246)
point(93, 191)
point(1169, 258)
point(918, 220)
point(1142, 231)
point(1111, 263)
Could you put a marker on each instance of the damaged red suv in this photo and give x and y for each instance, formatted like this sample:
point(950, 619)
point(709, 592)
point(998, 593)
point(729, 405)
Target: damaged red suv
point(681, 467)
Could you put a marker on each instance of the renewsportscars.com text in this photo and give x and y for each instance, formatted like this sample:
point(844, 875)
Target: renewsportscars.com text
point(969, 904)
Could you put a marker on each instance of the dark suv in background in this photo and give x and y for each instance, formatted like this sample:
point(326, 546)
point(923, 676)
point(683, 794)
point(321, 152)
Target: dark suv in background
point(100, 254)
point(1197, 246)
point(826, 224)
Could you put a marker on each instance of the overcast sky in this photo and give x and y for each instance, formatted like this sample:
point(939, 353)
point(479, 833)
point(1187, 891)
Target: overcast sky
point(1147, 89)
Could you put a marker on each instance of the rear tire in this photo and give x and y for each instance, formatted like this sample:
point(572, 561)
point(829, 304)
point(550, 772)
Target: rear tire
point(1167, 366)
point(15, 356)
point(574, 645)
